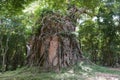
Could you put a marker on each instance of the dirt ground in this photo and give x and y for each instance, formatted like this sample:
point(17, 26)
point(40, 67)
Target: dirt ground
point(118, 69)
point(104, 76)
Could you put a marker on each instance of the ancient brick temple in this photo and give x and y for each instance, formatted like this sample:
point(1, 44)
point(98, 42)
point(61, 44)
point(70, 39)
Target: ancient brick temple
point(54, 46)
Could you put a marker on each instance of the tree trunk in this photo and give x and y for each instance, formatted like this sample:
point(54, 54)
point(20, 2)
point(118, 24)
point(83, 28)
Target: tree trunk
point(55, 46)
point(4, 49)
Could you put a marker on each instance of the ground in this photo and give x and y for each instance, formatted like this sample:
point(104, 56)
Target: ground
point(79, 72)
point(104, 76)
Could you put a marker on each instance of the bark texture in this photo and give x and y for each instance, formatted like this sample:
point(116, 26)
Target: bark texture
point(55, 46)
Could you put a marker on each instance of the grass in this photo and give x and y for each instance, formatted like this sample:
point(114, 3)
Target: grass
point(101, 69)
point(27, 74)
point(77, 72)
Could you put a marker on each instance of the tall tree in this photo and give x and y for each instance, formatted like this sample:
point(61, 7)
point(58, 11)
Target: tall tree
point(12, 43)
point(54, 44)
point(99, 34)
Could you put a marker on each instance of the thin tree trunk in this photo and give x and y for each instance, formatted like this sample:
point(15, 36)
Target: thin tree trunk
point(4, 52)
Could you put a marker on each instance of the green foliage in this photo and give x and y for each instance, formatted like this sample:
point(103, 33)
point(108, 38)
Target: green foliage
point(12, 29)
point(100, 38)
point(10, 7)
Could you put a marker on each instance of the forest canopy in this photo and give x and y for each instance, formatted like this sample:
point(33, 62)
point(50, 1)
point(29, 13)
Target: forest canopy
point(97, 23)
